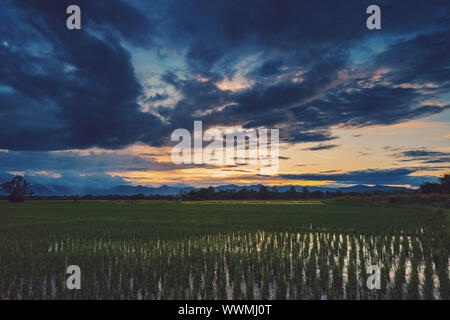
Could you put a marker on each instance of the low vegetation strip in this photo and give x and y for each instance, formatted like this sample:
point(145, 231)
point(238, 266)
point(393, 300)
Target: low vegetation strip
point(275, 202)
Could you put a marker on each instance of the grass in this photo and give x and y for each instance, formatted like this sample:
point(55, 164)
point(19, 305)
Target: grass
point(220, 249)
point(173, 218)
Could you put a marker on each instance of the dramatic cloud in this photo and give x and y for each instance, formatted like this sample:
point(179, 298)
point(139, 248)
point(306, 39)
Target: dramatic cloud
point(67, 183)
point(285, 64)
point(71, 89)
point(322, 147)
point(423, 156)
point(70, 172)
point(400, 176)
point(83, 163)
point(136, 71)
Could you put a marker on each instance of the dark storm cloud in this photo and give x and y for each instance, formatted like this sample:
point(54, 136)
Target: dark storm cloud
point(89, 163)
point(72, 89)
point(270, 68)
point(322, 147)
point(398, 176)
point(424, 58)
point(292, 135)
point(103, 17)
point(264, 104)
point(158, 97)
point(313, 106)
point(275, 106)
point(302, 29)
point(65, 89)
point(439, 160)
point(366, 106)
point(423, 155)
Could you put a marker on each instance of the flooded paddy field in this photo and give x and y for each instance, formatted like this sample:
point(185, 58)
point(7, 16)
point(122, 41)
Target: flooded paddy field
point(158, 250)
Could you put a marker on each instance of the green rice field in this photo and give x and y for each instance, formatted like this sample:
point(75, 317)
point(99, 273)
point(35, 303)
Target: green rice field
point(223, 250)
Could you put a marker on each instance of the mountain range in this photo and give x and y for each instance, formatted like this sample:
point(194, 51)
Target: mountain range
point(61, 190)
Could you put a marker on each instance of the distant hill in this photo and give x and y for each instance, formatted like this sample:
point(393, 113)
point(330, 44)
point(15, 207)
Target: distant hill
point(126, 190)
point(357, 188)
point(364, 188)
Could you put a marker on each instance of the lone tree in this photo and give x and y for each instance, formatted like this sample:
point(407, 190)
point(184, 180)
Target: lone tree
point(18, 188)
point(445, 183)
point(434, 187)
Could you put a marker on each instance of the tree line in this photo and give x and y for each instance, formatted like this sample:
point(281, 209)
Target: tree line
point(19, 189)
point(263, 193)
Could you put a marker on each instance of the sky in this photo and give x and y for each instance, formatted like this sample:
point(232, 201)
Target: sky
point(97, 106)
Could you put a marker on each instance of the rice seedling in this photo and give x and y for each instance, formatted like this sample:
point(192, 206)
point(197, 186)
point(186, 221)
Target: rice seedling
point(136, 260)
